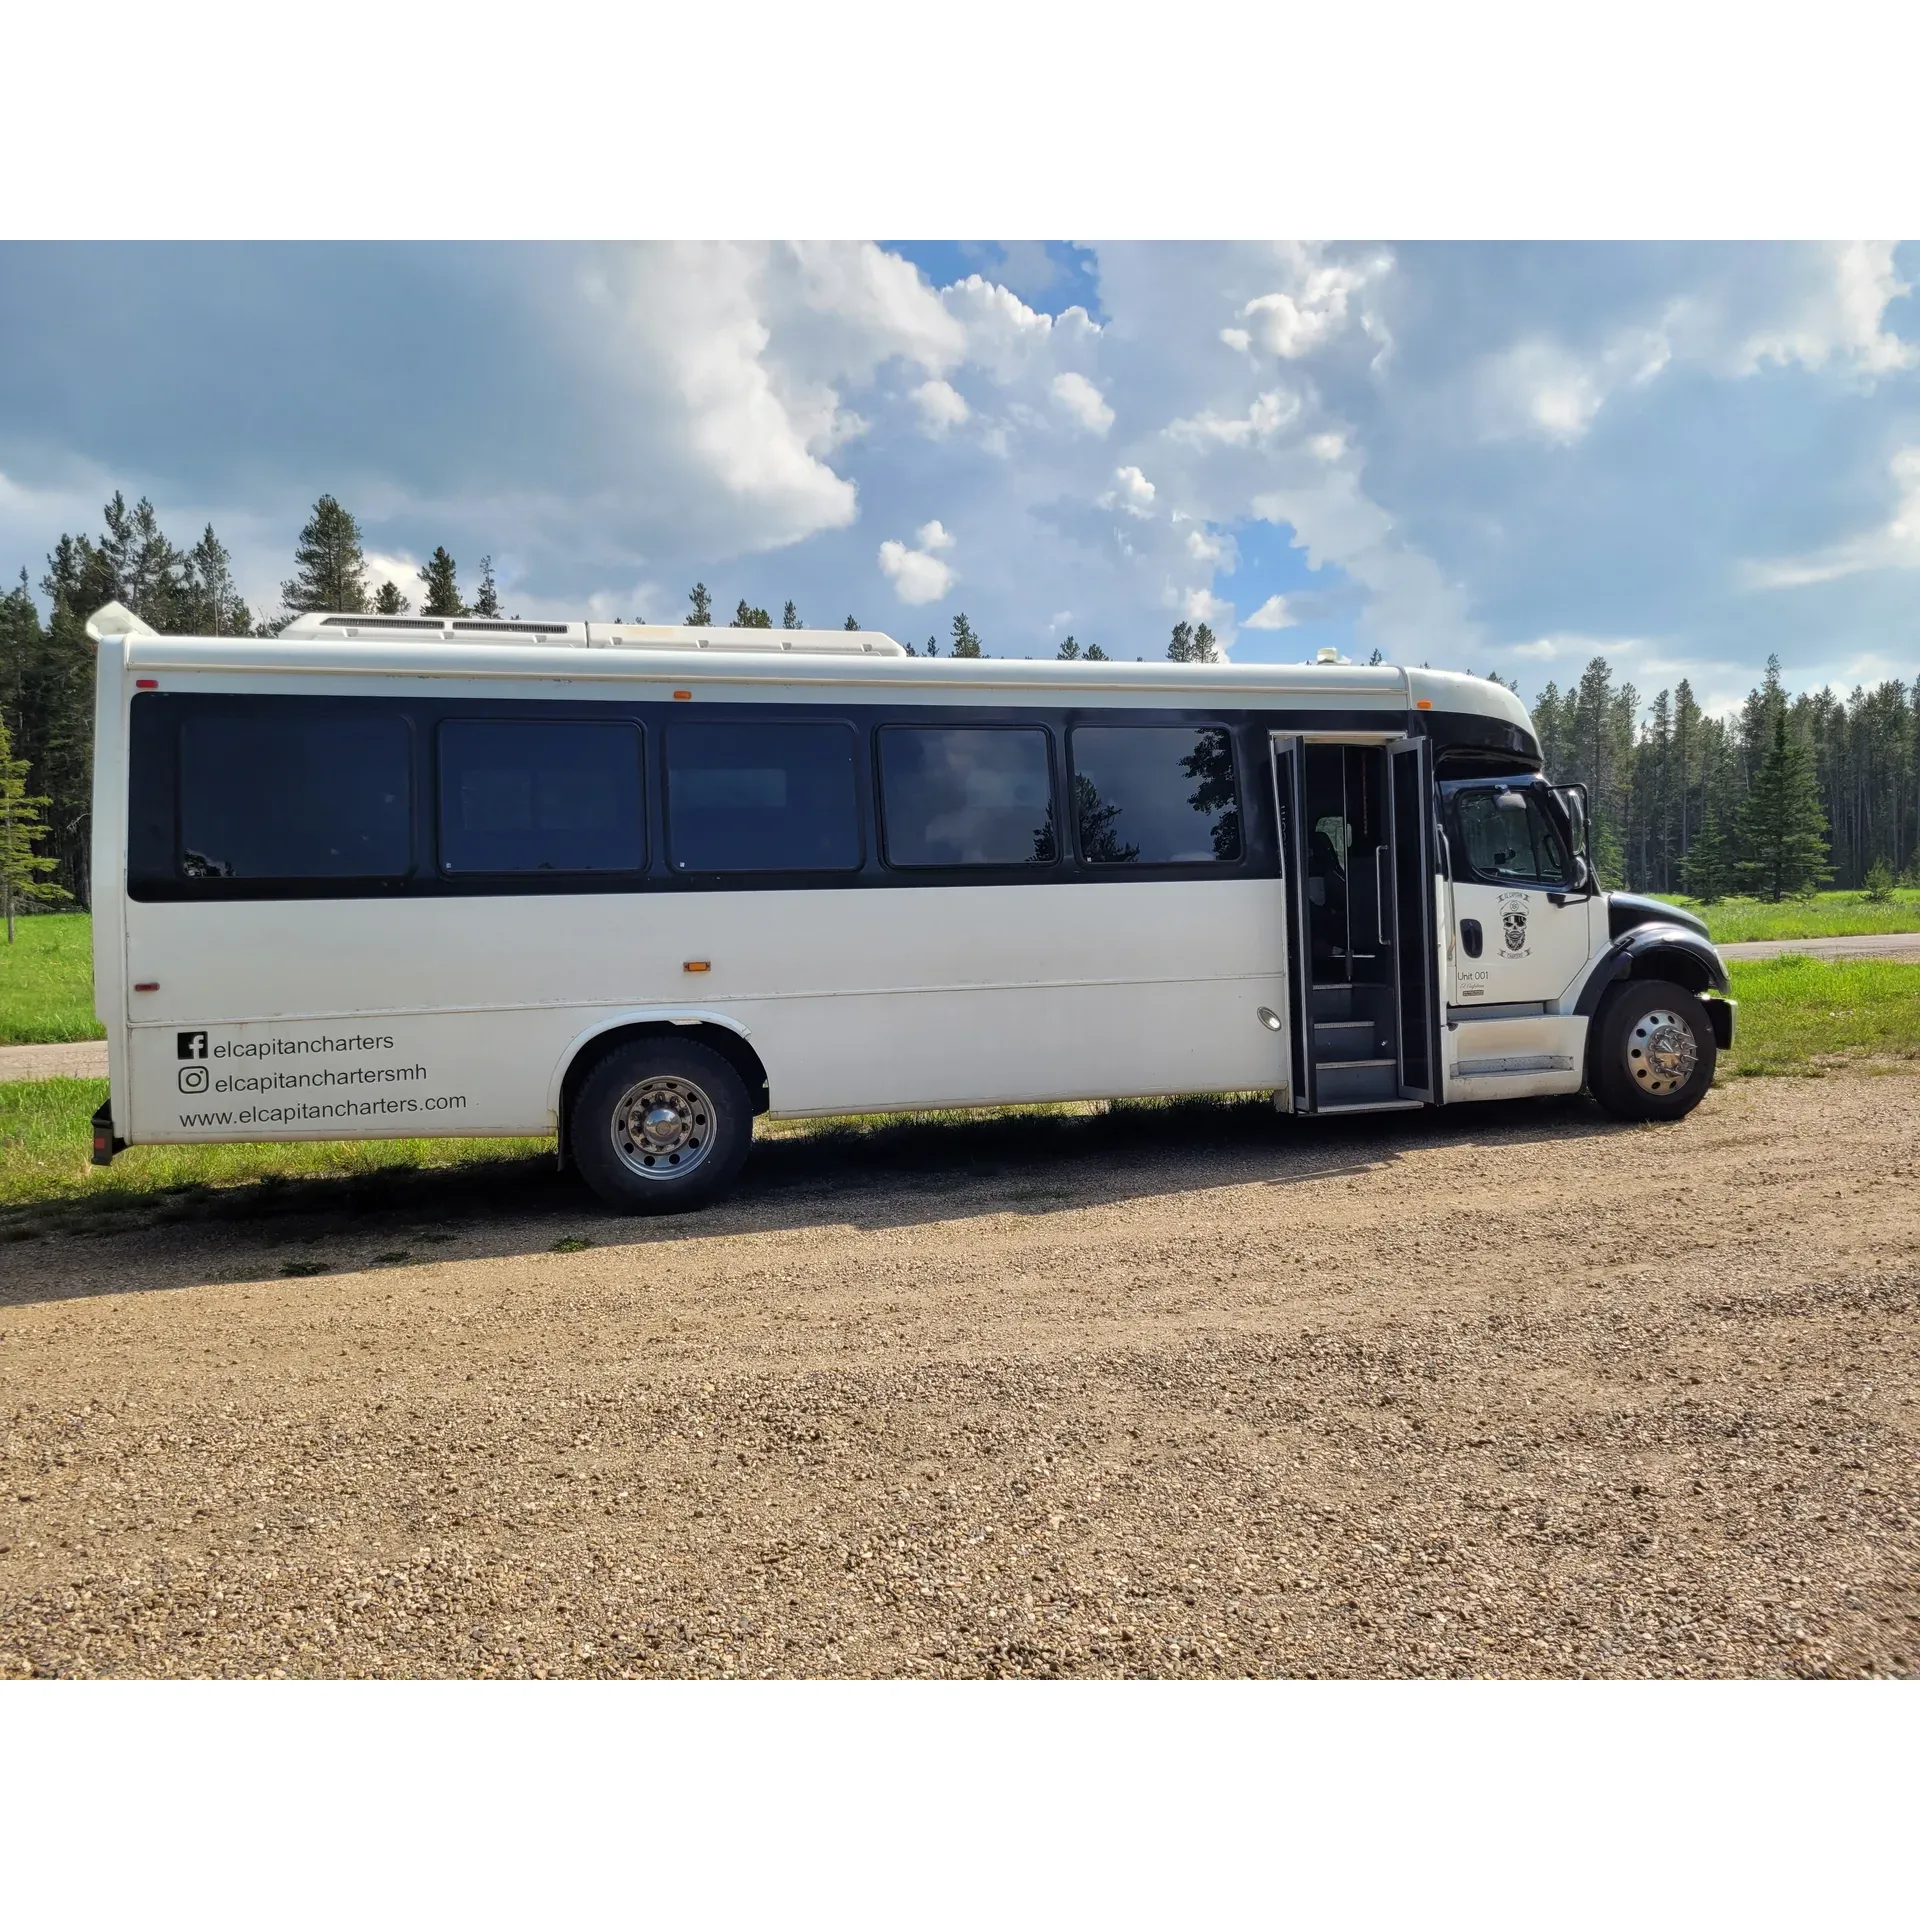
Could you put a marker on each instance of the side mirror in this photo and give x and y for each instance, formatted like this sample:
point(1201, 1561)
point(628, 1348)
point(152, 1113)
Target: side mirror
point(1582, 874)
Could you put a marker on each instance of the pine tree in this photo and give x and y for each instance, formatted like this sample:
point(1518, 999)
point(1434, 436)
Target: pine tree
point(966, 643)
point(1783, 832)
point(24, 869)
point(147, 568)
point(702, 614)
point(1377, 658)
point(1708, 867)
point(1096, 651)
point(746, 616)
point(55, 685)
point(1069, 649)
point(852, 625)
point(1180, 647)
point(213, 602)
point(78, 575)
point(443, 590)
point(331, 574)
point(486, 603)
point(933, 647)
point(390, 599)
point(790, 617)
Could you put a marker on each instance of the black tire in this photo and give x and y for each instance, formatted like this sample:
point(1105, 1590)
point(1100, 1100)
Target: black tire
point(689, 1156)
point(1640, 1066)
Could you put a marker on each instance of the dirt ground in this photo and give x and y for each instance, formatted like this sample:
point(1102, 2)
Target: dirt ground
point(1495, 1391)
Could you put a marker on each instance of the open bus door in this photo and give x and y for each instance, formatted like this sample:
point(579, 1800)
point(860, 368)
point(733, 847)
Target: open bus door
point(1289, 757)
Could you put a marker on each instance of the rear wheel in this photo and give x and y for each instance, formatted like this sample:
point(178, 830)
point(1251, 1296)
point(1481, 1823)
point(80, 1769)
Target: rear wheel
point(1653, 1051)
point(661, 1126)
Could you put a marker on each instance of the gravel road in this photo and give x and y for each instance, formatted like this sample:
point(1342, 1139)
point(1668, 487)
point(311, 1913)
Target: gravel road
point(1492, 1391)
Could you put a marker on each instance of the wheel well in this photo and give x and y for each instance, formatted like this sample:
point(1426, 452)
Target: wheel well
point(1674, 964)
point(731, 1047)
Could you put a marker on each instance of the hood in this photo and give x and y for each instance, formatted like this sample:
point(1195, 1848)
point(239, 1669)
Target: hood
point(1626, 911)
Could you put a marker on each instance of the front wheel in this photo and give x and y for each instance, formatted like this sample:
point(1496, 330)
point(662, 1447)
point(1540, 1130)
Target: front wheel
point(661, 1126)
point(1653, 1051)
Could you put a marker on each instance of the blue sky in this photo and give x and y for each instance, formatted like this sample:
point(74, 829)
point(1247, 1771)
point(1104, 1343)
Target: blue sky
point(1488, 455)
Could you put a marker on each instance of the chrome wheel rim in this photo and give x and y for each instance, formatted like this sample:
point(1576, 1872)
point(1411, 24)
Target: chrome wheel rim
point(1661, 1052)
point(663, 1127)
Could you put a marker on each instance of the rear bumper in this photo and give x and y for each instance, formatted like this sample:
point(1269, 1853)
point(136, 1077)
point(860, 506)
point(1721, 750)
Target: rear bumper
point(1724, 1014)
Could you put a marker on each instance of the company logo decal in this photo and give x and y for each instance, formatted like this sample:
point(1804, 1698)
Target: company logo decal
point(193, 1079)
point(1513, 923)
point(190, 1046)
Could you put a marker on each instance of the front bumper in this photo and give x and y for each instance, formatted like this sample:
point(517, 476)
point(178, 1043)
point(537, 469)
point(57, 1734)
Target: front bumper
point(1723, 1014)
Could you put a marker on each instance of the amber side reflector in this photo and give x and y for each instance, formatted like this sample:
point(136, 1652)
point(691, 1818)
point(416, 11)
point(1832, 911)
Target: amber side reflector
point(1425, 706)
point(682, 693)
point(146, 683)
point(146, 986)
point(697, 966)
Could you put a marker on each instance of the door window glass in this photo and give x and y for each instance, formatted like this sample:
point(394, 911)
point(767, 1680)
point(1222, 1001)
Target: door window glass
point(763, 796)
point(295, 795)
point(1154, 795)
point(1514, 843)
point(966, 796)
point(540, 796)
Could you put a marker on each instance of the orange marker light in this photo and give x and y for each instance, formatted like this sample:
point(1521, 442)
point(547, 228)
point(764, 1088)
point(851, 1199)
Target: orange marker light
point(682, 693)
point(697, 966)
point(1425, 706)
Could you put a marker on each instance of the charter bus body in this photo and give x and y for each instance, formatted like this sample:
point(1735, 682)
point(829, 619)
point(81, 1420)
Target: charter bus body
point(634, 885)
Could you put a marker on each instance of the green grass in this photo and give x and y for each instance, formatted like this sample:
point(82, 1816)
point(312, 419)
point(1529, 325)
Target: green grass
point(1799, 1015)
point(46, 1141)
point(46, 980)
point(1817, 917)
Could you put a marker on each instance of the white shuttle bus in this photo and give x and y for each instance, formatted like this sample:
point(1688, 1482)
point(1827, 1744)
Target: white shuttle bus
point(635, 885)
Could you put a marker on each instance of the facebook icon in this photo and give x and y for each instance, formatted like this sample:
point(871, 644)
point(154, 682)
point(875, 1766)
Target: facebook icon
point(191, 1046)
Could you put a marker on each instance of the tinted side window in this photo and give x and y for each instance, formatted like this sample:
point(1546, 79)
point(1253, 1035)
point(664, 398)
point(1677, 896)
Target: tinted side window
point(540, 796)
point(1511, 842)
point(966, 796)
point(1154, 795)
point(295, 796)
point(763, 796)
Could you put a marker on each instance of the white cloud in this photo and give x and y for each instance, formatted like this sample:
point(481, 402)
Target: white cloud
point(403, 570)
point(941, 407)
point(737, 358)
point(1207, 548)
point(1006, 338)
point(1896, 544)
point(1078, 397)
point(1132, 492)
point(1314, 309)
point(918, 573)
point(1327, 446)
point(1541, 388)
point(1271, 614)
point(1410, 601)
point(1202, 603)
point(1271, 413)
point(1841, 317)
point(1238, 338)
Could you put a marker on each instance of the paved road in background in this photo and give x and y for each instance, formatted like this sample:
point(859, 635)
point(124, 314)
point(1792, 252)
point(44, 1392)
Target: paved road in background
point(68, 1060)
point(87, 1059)
point(1841, 946)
